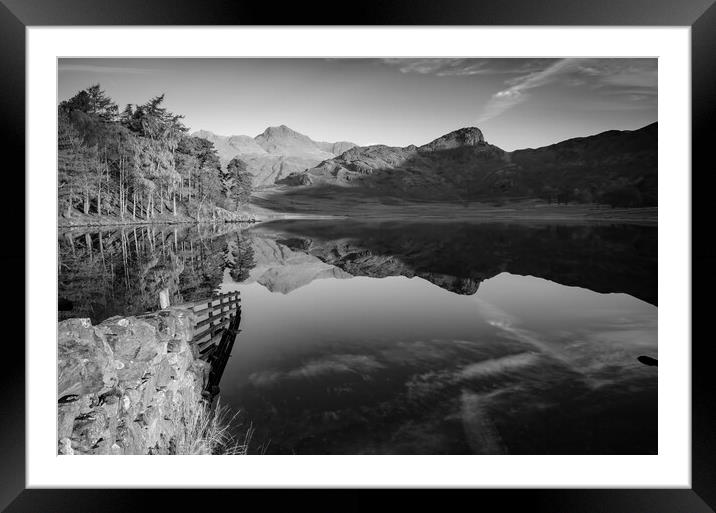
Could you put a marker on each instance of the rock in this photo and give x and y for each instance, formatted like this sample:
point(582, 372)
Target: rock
point(121, 391)
point(648, 360)
point(174, 346)
point(65, 446)
point(66, 415)
point(295, 178)
point(84, 363)
point(470, 136)
point(137, 345)
point(134, 341)
point(149, 388)
point(165, 373)
point(89, 429)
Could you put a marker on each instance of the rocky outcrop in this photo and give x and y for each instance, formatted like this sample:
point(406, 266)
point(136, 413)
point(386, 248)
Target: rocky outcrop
point(296, 179)
point(469, 136)
point(130, 385)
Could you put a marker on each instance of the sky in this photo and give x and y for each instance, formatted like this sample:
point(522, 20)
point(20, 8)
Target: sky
point(516, 102)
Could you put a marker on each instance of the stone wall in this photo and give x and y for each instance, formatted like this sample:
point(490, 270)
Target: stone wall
point(130, 385)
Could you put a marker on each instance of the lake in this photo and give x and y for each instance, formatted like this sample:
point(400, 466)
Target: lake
point(407, 337)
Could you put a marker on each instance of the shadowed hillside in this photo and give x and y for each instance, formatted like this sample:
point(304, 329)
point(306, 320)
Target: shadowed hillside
point(615, 167)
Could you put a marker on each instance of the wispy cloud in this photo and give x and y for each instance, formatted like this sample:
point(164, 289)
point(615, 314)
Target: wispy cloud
point(505, 99)
point(632, 80)
point(91, 68)
point(452, 67)
point(499, 365)
point(363, 365)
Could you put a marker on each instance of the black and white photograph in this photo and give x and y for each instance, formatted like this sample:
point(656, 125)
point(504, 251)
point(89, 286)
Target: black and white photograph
point(357, 256)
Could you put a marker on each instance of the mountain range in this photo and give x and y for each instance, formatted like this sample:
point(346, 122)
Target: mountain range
point(457, 166)
point(275, 153)
point(461, 165)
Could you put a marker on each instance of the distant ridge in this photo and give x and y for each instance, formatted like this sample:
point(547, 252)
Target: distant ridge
point(462, 166)
point(274, 153)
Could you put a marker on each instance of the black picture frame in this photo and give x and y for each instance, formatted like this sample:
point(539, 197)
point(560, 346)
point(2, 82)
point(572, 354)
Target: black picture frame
point(700, 15)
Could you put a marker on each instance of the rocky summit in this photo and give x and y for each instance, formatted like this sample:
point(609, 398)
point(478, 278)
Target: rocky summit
point(470, 136)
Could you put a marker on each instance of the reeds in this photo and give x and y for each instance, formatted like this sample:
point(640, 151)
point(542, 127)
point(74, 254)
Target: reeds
point(209, 431)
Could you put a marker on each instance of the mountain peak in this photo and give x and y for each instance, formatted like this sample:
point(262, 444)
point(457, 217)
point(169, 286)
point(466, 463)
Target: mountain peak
point(282, 140)
point(281, 130)
point(468, 136)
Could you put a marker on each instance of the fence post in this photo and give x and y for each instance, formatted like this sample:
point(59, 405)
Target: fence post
point(164, 298)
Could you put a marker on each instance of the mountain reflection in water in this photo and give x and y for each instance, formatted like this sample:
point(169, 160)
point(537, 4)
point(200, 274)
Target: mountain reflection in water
point(425, 338)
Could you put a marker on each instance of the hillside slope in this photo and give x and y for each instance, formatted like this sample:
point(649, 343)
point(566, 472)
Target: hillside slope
point(439, 169)
point(614, 165)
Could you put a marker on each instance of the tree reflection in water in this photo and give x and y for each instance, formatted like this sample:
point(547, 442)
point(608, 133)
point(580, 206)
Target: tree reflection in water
point(121, 272)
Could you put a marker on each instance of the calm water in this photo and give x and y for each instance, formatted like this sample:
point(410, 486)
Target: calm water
point(408, 338)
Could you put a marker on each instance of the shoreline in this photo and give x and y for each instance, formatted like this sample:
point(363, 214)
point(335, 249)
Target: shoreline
point(146, 223)
point(89, 220)
point(429, 212)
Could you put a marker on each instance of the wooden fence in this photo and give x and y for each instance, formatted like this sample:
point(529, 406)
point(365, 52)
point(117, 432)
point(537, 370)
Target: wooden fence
point(215, 330)
point(214, 317)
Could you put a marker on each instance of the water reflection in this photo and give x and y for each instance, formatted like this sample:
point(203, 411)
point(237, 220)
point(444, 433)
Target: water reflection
point(121, 272)
point(408, 338)
point(458, 256)
point(399, 365)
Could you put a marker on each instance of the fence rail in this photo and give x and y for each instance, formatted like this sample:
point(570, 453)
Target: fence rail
point(216, 326)
point(215, 316)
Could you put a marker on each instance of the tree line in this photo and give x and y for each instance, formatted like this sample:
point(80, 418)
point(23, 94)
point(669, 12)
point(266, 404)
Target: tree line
point(139, 163)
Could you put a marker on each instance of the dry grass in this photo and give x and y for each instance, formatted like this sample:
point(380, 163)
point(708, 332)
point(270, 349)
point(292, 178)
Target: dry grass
point(209, 431)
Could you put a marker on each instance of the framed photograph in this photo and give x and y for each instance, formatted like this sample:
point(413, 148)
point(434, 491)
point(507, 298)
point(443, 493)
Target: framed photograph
point(442, 248)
